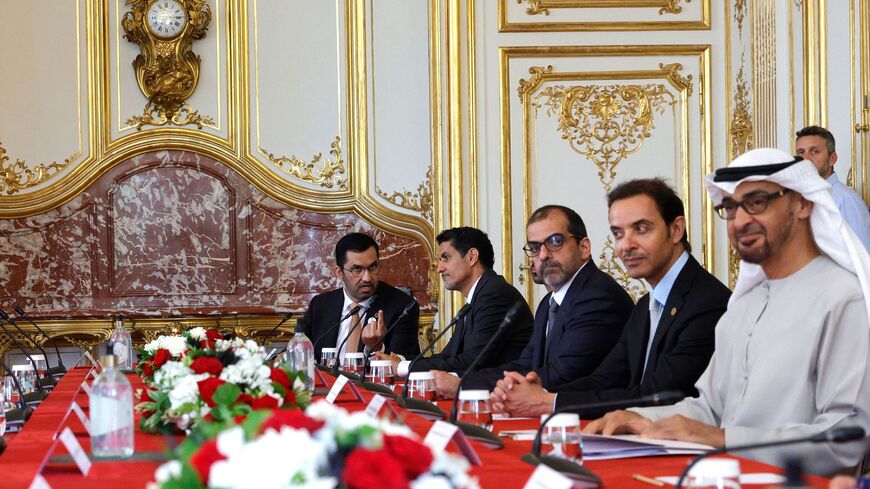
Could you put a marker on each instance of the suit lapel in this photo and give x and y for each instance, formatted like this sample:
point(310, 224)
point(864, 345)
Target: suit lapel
point(637, 342)
point(332, 315)
point(468, 322)
point(541, 331)
point(561, 315)
point(675, 303)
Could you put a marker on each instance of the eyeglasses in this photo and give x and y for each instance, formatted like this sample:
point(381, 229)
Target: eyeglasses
point(553, 242)
point(754, 203)
point(358, 271)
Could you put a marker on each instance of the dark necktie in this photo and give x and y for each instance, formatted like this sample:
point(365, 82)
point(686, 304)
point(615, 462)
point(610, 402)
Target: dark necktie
point(551, 319)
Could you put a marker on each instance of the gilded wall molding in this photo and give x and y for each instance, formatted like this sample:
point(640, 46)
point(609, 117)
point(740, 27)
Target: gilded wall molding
point(327, 174)
point(542, 8)
point(19, 175)
point(419, 201)
point(740, 127)
point(608, 261)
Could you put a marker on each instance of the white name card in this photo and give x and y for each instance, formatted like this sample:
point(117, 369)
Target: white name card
point(339, 385)
point(377, 404)
point(443, 433)
point(86, 388)
point(82, 416)
point(39, 482)
point(92, 359)
point(75, 450)
point(546, 478)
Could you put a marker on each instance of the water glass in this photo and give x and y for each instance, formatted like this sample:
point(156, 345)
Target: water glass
point(328, 356)
point(353, 362)
point(26, 377)
point(715, 473)
point(10, 394)
point(421, 385)
point(474, 408)
point(41, 365)
point(563, 432)
point(381, 372)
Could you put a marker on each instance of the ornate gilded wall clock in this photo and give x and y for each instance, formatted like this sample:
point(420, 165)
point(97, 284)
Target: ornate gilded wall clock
point(167, 69)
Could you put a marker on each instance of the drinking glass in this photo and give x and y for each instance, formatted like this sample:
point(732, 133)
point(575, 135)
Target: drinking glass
point(328, 356)
point(353, 362)
point(381, 372)
point(563, 432)
point(474, 408)
point(715, 473)
point(421, 385)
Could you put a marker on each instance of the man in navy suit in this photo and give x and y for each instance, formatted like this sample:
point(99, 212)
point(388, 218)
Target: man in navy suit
point(669, 337)
point(380, 305)
point(577, 323)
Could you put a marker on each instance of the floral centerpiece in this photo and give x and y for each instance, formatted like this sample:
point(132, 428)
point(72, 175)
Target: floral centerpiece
point(322, 447)
point(185, 375)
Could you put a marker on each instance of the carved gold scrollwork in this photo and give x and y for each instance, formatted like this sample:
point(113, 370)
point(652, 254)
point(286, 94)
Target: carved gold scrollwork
point(608, 262)
point(607, 123)
point(19, 176)
point(741, 122)
point(528, 86)
point(329, 174)
point(739, 13)
point(420, 201)
point(672, 71)
point(543, 6)
point(5, 344)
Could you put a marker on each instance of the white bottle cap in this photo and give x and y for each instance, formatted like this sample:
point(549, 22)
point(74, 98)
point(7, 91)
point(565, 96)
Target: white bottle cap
point(381, 363)
point(562, 420)
point(421, 376)
point(355, 354)
point(711, 468)
point(474, 395)
point(328, 350)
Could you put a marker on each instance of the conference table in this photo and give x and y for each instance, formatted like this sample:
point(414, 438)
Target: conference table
point(501, 468)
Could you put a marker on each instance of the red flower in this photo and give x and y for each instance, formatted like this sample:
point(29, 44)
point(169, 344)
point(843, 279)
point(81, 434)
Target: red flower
point(204, 458)
point(292, 418)
point(147, 369)
point(279, 376)
point(162, 356)
point(245, 399)
point(145, 396)
point(211, 336)
point(265, 402)
point(373, 469)
point(207, 388)
point(207, 365)
point(415, 457)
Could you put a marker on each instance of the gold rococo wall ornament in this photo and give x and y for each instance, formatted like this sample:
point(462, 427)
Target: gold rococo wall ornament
point(167, 69)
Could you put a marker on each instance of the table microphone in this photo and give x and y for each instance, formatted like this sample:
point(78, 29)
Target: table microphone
point(281, 323)
point(580, 472)
point(320, 338)
point(834, 435)
point(48, 379)
point(419, 405)
point(59, 370)
point(33, 363)
point(371, 386)
point(18, 416)
point(349, 331)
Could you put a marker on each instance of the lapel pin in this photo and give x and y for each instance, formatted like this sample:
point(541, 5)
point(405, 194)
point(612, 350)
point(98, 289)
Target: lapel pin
point(673, 311)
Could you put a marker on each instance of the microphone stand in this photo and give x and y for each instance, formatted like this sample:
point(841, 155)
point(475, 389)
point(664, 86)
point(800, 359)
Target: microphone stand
point(48, 379)
point(281, 323)
point(60, 369)
point(20, 347)
point(371, 386)
point(327, 368)
point(337, 365)
point(579, 472)
point(836, 435)
point(21, 414)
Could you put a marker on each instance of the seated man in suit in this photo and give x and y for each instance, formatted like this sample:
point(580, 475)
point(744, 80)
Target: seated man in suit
point(648, 222)
point(356, 265)
point(465, 261)
point(578, 322)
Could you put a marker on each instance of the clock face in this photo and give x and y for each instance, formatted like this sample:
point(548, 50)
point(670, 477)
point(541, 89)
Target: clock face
point(166, 18)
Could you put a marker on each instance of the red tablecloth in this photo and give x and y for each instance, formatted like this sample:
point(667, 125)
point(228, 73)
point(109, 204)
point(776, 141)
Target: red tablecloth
point(501, 469)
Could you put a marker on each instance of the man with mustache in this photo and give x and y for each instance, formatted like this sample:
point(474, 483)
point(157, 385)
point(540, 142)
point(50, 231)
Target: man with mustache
point(662, 348)
point(358, 269)
point(791, 355)
point(577, 323)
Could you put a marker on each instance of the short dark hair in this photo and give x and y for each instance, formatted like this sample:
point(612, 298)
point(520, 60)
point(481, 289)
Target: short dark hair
point(667, 201)
point(818, 131)
point(465, 238)
point(356, 242)
point(575, 223)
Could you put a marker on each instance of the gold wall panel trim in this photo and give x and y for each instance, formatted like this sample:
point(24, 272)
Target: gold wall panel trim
point(542, 7)
point(666, 71)
point(419, 201)
point(815, 69)
point(454, 111)
point(471, 83)
point(609, 262)
point(763, 55)
point(21, 175)
point(327, 174)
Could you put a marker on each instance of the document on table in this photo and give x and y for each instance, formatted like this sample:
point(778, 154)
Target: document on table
point(599, 447)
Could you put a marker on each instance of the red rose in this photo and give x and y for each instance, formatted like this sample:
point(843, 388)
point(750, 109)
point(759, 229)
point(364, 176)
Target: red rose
point(145, 396)
point(162, 356)
point(245, 399)
point(265, 402)
point(280, 377)
point(415, 457)
point(240, 419)
point(147, 369)
point(207, 365)
point(372, 469)
point(207, 388)
point(204, 458)
point(290, 399)
point(292, 418)
point(211, 336)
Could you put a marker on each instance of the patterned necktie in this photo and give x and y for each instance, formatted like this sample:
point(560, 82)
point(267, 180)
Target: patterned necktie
point(354, 334)
point(655, 310)
point(551, 315)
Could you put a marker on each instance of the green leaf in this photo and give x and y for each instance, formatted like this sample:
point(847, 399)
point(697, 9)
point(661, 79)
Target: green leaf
point(226, 394)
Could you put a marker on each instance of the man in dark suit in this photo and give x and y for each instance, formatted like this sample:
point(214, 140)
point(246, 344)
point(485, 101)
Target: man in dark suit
point(381, 304)
point(465, 261)
point(579, 321)
point(648, 222)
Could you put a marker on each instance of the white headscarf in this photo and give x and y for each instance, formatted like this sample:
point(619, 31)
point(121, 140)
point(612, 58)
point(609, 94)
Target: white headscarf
point(832, 235)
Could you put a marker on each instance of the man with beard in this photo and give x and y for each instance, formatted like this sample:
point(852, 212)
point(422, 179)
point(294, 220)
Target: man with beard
point(577, 323)
point(380, 304)
point(791, 350)
point(668, 340)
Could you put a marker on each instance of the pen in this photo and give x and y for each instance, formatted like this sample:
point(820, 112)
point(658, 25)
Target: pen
point(648, 480)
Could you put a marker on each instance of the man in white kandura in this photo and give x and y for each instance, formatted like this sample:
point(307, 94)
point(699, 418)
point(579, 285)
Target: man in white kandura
point(792, 349)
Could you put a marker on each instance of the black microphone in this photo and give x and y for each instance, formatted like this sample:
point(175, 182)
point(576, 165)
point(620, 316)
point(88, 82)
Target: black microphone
point(330, 330)
point(17, 417)
point(350, 330)
point(579, 472)
point(419, 406)
point(60, 369)
point(371, 386)
point(281, 323)
point(834, 435)
point(47, 376)
point(23, 350)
